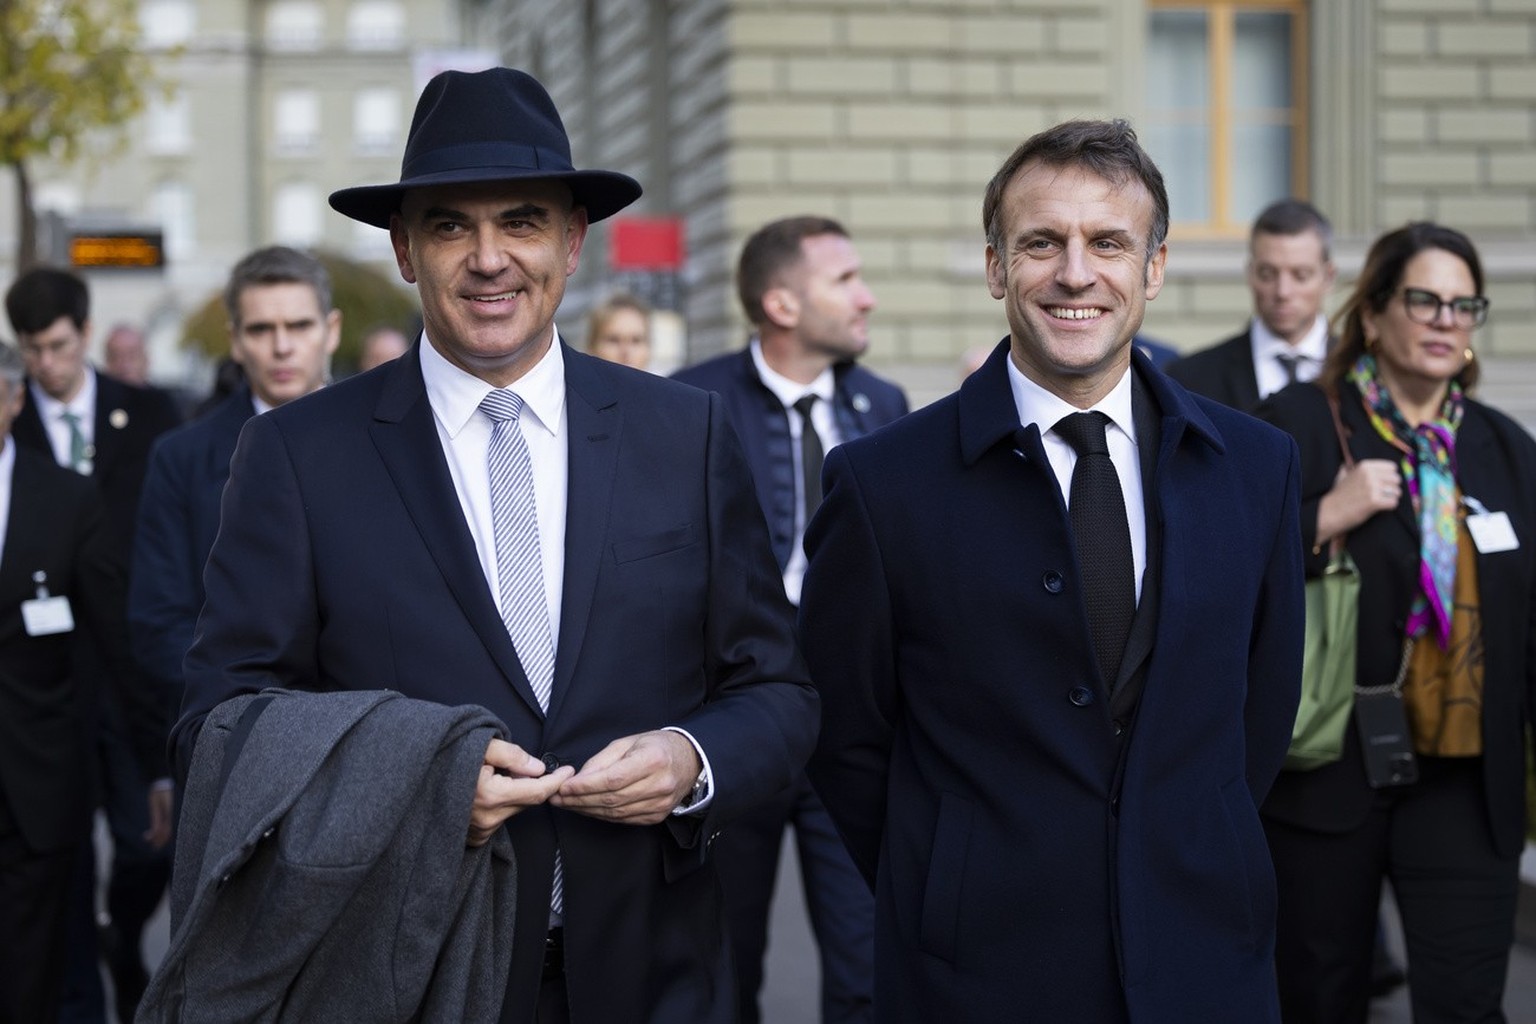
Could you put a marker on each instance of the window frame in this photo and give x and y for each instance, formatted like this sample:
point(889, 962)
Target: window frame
point(1221, 20)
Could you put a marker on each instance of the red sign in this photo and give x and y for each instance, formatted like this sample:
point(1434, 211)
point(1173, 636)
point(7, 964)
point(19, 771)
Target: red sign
point(647, 243)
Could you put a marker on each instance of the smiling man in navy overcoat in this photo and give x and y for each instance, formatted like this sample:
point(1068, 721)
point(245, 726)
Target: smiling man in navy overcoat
point(1055, 620)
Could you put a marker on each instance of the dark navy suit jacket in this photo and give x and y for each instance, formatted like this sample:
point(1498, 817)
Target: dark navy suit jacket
point(178, 520)
point(1223, 371)
point(861, 403)
point(47, 707)
point(128, 420)
point(1031, 856)
point(343, 561)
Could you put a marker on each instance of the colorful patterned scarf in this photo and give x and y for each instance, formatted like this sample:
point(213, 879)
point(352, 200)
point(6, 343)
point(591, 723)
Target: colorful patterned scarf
point(1429, 469)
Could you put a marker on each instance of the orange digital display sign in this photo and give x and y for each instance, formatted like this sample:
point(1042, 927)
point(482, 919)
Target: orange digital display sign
point(117, 250)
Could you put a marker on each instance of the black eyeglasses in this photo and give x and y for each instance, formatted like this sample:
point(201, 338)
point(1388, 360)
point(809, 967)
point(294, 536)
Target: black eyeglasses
point(1467, 311)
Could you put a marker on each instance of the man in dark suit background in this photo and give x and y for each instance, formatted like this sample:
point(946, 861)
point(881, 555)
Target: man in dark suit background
point(59, 582)
point(793, 394)
point(283, 331)
point(496, 519)
point(1055, 620)
point(102, 428)
point(1290, 272)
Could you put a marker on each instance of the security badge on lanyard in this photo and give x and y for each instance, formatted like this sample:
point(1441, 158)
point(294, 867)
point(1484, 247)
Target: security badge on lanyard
point(1491, 531)
point(44, 615)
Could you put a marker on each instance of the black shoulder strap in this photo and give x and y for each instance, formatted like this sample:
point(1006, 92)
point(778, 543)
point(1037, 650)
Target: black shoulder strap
point(239, 734)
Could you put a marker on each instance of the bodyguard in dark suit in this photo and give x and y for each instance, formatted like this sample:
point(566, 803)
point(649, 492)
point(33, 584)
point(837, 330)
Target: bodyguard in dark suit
point(283, 331)
point(1056, 625)
point(794, 393)
point(495, 519)
point(1290, 272)
point(59, 582)
point(102, 428)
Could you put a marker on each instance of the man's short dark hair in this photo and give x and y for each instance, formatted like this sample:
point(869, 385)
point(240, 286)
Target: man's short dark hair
point(276, 264)
point(1108, 149)
point(40, 296)
point(1292, 217)
point(773, 249)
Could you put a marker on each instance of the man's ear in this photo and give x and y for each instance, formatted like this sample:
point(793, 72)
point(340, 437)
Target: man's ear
point(402, 246)
point(782, 307)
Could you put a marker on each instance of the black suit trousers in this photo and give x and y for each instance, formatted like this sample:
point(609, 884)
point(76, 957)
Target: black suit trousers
point(33, 892)
point(1455, 892)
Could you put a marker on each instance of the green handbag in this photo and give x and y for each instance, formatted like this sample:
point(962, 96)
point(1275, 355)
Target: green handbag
point(1328, 665)
point(1328, 658)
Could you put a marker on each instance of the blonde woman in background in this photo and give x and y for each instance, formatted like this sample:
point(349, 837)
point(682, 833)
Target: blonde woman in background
point(619, 331)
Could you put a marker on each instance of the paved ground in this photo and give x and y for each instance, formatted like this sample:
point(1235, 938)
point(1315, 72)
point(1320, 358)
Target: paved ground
point(790, 997)
point(790, 989)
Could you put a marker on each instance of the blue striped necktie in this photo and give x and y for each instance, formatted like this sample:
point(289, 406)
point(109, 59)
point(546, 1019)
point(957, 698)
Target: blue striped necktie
point(520, 561)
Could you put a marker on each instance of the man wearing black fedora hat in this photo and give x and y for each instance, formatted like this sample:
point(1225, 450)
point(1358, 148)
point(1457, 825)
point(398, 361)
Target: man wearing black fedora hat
point(496, 519)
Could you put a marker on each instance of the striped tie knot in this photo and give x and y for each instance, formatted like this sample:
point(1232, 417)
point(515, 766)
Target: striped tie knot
point(502, 404)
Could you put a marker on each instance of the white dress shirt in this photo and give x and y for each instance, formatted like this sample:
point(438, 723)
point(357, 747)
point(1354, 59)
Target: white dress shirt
point(465, 434)
point(1310, 352)
point(1037, 405)
point(51, 411)
point(788, 392)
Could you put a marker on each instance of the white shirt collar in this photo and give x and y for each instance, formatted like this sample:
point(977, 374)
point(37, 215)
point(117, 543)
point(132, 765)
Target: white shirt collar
point(1267, 344)
point(787, 391)
point(456, 394)
point(1039, 406)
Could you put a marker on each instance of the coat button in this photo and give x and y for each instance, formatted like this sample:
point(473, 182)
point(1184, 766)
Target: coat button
point(551, 762)
point(1053, 581)
point(1080, 695)
point(1119, 726)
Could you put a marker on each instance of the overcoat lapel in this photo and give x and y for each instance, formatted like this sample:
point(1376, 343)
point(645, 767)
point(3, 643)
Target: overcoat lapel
point(406, 437)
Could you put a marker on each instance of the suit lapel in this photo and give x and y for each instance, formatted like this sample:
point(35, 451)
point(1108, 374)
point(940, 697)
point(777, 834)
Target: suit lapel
point(30, 529)
point(405, 435)
point(594, 423)
point(111, 422)
point(27, 431)
point(1242, 375)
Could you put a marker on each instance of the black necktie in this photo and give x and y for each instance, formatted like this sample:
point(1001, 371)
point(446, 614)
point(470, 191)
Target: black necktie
point(811, 455)
point(1290, 362)
point(1103, 535)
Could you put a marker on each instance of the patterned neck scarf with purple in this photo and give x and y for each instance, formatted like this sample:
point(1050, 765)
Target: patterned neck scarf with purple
point(1429, 469)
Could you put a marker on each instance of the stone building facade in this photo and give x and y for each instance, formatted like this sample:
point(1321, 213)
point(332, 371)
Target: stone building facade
point(892, 114)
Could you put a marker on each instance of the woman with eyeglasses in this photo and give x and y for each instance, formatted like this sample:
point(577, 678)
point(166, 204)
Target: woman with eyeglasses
point(1437, 513)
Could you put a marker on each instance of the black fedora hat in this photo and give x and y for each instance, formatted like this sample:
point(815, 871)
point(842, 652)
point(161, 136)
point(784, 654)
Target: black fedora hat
point(494, 125)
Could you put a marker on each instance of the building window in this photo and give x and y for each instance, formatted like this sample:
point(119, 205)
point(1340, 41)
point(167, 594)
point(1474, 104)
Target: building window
point(295, 25)
point(1226, 108)
point(296, 214)
point(376, 25)
point(376, 121)
point(168, 125)
point(167, 23)
point(296, 122)
point(176, 213)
